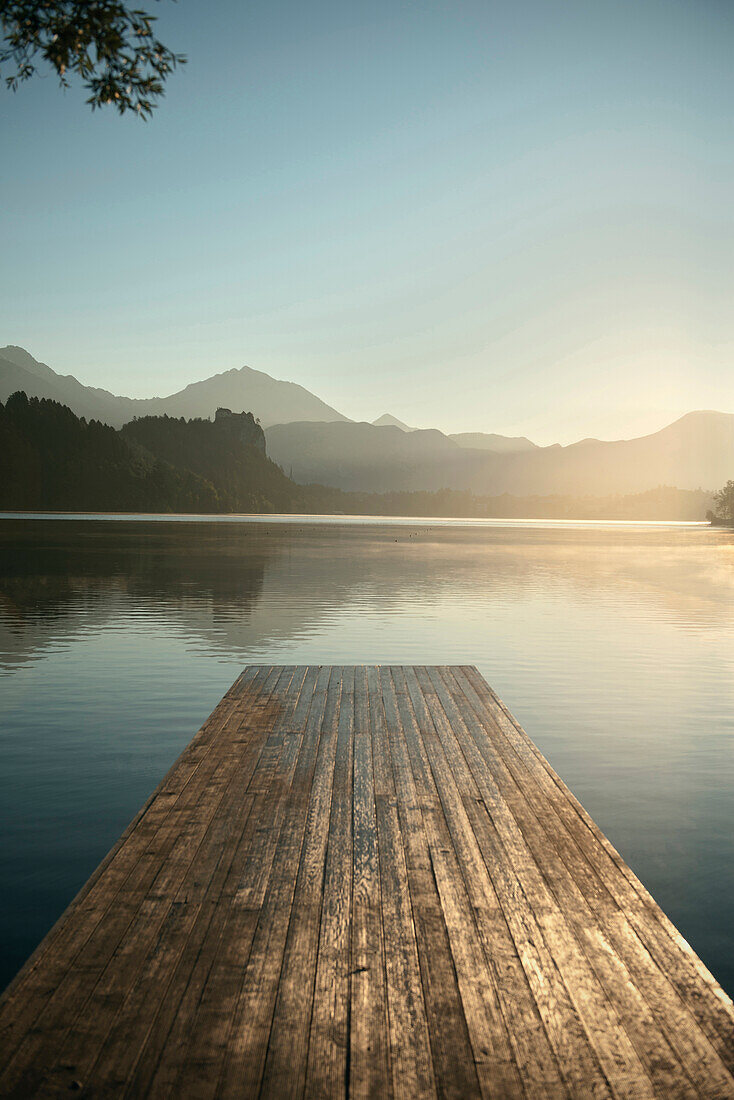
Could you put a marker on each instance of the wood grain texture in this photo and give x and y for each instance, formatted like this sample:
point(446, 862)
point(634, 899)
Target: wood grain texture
point(364, 882)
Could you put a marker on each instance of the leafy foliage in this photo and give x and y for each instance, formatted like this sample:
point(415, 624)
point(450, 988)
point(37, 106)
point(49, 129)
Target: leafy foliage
point(109, 45)
point(724, 503)
point(228, 453)
point(52, 459)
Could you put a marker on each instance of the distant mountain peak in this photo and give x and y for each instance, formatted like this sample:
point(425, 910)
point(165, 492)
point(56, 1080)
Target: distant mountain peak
point(387, 420)
point(16, 354)
point(243, 389)
point(695, 453)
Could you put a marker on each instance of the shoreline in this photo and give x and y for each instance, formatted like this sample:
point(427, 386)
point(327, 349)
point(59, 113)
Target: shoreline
point(338, 519)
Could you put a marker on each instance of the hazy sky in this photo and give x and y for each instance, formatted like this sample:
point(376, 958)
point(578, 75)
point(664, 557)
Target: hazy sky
point(511, 217)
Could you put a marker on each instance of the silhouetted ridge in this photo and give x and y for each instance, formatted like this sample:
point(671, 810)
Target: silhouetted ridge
point(387, 420)
point(490, 441)
point(695, 452)
point(51, 459)
point(271, 400)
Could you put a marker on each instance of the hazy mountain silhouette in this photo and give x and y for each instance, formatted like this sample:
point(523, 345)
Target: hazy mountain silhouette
point(320, 445)
point(242, 390)
point(489, 441)
point(50, 459)
point(362, 456)
point(483, 441)
point(20, 371)
point(696, 451)
point(387, 420)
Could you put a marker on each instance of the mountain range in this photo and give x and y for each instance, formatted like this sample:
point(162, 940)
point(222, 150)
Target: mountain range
point(315, 443)
point(53, 460)
point(697, 451)
point(490, 441)
point(483, 441)
point(241, 390)
point(270, 400)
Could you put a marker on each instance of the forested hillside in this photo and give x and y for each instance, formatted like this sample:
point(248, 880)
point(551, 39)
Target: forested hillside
point(229, 452)
point(52, 459)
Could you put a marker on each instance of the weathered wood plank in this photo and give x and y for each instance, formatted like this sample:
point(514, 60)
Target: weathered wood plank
point(286, 1060)
point(148, 897)
point(654, 1017)
point(410, 1047)
point(453, 1058)
point(246, 1048)
point(469, 897)
point(193, 1062)
point(561, 1016)
point(675, 959)
point(369, 1042)
point(656, 1055)
point(171, 1028)
point(143, 1020)
point(327, 1071)
point(599, 1013)
point(534, 1053)
point(48, 965)
point(364, 881)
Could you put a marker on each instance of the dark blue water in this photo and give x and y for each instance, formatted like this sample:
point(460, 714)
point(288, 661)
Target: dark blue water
point(613, 645)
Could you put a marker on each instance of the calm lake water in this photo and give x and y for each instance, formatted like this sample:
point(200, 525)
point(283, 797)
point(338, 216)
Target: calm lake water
point(612, 644)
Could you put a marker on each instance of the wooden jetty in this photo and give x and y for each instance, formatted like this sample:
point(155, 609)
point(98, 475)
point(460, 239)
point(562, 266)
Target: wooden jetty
point(364, 882)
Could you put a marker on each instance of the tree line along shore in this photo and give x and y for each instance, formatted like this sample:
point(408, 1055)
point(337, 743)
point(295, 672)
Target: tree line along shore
point(55, 460)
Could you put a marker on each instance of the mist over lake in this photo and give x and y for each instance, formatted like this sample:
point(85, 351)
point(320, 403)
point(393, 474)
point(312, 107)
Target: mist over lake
point(613, 645)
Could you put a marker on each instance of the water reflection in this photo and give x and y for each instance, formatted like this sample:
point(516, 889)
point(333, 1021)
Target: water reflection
point(60, 578)
point(207, 581)
point(613, 646)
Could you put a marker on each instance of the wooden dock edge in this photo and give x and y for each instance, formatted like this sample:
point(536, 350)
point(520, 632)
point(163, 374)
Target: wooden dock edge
point(364, 881)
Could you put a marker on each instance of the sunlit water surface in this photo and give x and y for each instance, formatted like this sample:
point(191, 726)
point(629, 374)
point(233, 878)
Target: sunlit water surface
point(613, 645)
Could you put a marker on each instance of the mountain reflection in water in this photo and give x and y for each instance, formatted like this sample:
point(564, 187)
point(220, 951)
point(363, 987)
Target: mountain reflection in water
point(614, 646)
